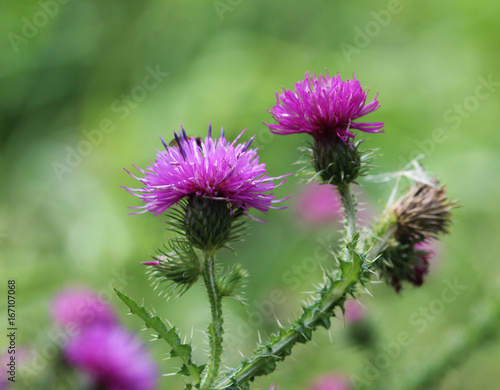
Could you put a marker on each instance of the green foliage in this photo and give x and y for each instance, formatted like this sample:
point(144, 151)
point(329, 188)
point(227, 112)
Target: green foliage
point(71, 227)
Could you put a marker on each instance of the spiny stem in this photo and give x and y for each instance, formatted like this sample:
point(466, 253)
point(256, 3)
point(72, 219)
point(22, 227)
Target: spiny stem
point(381, 242)
point(319, 313)
point(215, 328)
point(332, 294)
point(349, 204)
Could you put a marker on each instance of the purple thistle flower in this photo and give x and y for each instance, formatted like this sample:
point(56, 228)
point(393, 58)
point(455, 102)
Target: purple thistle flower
point(325, 108)
point(214, 169)
point(113, 359)
point(81, 307)
point(317, 205)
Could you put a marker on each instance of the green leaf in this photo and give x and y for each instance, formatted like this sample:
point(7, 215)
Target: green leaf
point(183, 351)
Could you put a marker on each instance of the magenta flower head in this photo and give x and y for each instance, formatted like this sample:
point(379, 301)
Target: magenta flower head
point(324, 107)
point(327, 108)
point(213, 180)
point(82, 308)
point(112, 359)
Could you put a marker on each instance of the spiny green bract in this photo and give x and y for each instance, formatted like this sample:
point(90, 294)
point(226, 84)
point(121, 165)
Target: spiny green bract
point(178, 265)
point(208, 224)
point(343, 164)
point(230, 281)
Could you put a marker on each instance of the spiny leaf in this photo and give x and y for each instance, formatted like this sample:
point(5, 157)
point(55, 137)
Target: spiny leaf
point(183, 351)
point(188, 368)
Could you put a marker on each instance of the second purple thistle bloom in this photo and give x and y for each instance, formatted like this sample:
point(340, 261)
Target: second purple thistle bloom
point(324, 107)
point(214, 169)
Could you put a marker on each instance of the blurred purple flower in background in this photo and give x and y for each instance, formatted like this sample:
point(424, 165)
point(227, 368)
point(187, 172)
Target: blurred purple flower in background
point(113, 359)
point(108, 356)
point(317, 205)
point(4, 382)
point(353, 311)
point(331, 382)
point(81, 307)
point(20, 356)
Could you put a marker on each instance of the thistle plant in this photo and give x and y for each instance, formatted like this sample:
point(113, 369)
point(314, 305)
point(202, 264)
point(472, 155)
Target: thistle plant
point(208, 188)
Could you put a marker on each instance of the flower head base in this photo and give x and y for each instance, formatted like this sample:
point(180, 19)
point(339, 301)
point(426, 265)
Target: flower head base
point(337, 163)
point(215, 181)
point(210, 223)
point(325, 108)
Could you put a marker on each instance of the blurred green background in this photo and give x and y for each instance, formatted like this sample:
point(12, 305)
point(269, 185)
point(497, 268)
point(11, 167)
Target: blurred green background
point(71, 67)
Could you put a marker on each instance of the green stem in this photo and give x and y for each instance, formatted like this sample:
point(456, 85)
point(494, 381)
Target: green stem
point(349, 204)
point(381, 242)
point(215, 329)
